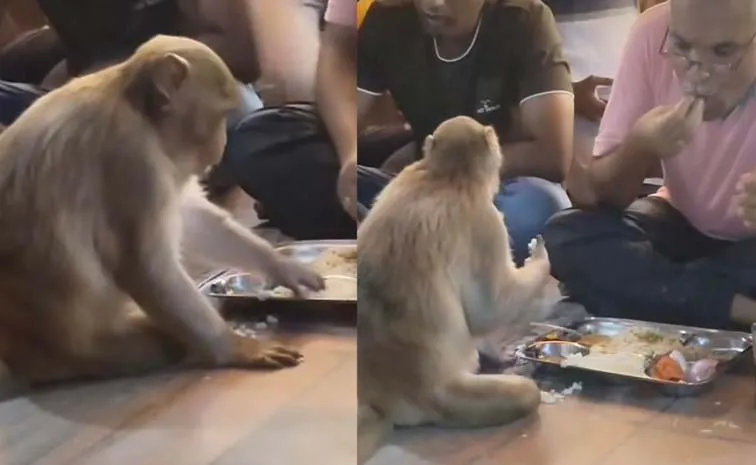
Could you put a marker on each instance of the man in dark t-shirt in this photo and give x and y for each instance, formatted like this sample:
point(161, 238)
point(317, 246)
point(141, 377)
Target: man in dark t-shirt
point(498, 61)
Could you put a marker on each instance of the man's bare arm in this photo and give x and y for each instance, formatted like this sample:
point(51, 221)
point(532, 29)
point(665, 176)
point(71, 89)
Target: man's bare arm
point(336, 88)
point(614, 179)
point(549, 120)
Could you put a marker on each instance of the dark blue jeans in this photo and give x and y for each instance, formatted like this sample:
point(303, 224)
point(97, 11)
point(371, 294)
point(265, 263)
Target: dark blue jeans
point(15, 98)
point(527, 204)
point(649, 263)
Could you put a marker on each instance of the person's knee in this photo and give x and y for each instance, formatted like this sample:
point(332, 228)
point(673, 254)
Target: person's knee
point(370, 183)
point(560, 238)
point(527, 205)
point(559, 229)
point(530, 202)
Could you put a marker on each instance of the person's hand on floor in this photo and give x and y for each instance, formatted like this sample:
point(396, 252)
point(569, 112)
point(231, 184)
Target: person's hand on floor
point(666, 130)
point(587, 103)
point(347, 186)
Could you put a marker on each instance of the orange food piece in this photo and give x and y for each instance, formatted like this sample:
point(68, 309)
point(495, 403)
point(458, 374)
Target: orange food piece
point(667, 369)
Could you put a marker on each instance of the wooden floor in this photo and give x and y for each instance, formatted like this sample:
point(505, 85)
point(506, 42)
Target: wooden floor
point(307, 416)
point(605, 425)
point(301, 416)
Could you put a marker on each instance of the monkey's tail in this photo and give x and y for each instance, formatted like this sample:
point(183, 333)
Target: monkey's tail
point(373, 428)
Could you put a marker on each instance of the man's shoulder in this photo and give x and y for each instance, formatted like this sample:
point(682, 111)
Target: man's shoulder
point(653, 20)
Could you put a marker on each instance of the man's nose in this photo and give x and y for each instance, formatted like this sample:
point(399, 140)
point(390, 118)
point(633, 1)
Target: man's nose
point(698, 71)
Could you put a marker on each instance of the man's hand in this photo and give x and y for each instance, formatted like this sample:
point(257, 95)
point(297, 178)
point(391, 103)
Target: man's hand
point(347, 186)
point(666, 130)
point(744, 201)
point(587, 103)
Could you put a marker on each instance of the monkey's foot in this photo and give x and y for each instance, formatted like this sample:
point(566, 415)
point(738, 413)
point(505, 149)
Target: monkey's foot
point(273, 357)
point(251, 353)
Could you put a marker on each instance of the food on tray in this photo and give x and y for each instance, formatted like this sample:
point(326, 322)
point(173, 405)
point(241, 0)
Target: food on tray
point(336, 288)
point(627, 364)
point(702, 370)
point(337, 261)
point(667, 368)
point(339, 268)
point(637, 352)
point(647, 342)
point(590, 340)
point(673, 367)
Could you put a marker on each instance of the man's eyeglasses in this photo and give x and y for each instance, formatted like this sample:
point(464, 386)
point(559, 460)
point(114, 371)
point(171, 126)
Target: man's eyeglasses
point(716, 64)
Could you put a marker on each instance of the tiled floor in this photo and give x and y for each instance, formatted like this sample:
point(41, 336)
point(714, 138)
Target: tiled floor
point(604, 425)
point(221, 418)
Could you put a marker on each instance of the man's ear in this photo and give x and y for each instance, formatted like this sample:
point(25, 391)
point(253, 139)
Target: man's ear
point(169, 75)
point(428, 145)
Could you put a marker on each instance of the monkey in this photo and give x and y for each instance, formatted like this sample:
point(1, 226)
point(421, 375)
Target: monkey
point(435, 273)
point(97, 186)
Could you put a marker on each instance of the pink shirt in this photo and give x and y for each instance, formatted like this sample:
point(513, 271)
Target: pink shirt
point(342, 12)
point(700, 180)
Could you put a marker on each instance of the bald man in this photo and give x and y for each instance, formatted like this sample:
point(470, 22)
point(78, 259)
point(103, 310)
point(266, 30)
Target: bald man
point(683, 95)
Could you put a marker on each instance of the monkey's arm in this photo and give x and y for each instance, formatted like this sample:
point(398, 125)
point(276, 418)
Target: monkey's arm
point(152, 275)
point(212, 234)
point(508, 294)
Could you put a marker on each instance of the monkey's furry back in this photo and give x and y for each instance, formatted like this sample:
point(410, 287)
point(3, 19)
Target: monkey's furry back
point(414, 251)
point(54, 160)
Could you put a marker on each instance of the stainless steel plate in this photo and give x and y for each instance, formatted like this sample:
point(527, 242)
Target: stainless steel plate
point(234, 285)
point(726, 346)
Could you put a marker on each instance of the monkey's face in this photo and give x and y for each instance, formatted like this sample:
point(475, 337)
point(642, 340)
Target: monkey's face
point(198, 94)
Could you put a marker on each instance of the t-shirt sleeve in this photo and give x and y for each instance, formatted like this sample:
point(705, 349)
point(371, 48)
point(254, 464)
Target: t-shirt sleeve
point(341, 12)
point(632, 94)
point(543, 67)
point(371, 41)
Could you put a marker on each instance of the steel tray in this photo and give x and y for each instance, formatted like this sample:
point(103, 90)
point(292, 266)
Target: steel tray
point(241, 294)
point(727, 346)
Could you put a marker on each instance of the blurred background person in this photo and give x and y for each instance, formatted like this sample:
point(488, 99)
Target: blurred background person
point(280, 156)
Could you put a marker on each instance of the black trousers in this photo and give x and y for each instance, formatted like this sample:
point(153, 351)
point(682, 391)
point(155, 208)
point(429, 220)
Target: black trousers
point(649, 263)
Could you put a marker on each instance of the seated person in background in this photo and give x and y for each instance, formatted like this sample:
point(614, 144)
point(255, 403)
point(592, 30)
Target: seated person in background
point(684, 94)
point(336, 84)
point(298, 198)
point(499, 62)
point(95, 35)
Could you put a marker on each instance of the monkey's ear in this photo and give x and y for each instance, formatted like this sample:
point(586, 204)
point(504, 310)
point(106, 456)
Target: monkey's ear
point(491, 138)
point(428, 144)
point(170, 73)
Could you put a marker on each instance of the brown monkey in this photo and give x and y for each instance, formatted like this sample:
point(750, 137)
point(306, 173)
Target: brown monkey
point(92, 193)
point(436, 272)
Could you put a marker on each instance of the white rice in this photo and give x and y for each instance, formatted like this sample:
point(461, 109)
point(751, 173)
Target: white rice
point(622, 363)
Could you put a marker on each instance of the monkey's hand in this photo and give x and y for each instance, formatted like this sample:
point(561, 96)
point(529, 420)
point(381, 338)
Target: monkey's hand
point(537, 248)
point(293, 275)
point(252, 353)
